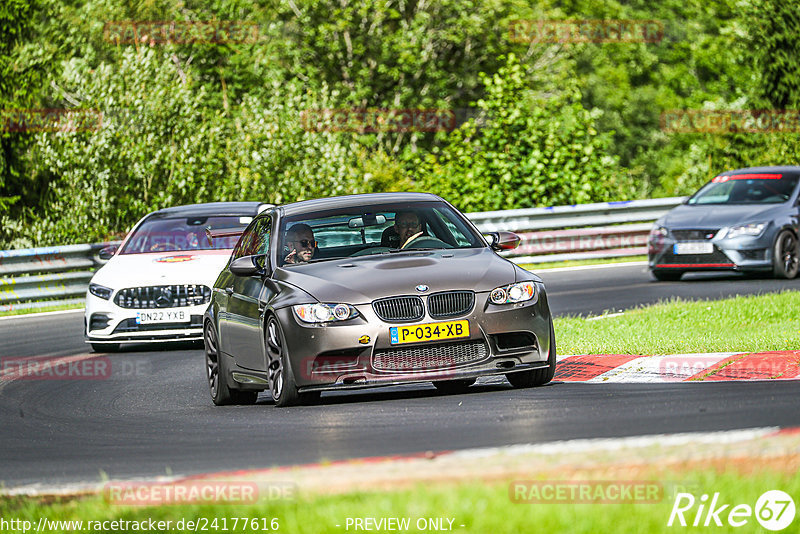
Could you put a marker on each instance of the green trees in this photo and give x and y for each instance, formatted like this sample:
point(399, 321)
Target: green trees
point(531, 151)
point(552, 123)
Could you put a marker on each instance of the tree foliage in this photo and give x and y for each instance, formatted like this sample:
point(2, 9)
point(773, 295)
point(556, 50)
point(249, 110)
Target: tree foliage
point(531, 151)
point(540, 123)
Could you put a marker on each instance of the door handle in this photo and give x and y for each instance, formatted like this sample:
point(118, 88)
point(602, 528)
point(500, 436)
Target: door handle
point(229, 291)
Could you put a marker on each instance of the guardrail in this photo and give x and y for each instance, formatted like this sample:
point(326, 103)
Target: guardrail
point(46, 277)
point(54, 276)
point(589, 234)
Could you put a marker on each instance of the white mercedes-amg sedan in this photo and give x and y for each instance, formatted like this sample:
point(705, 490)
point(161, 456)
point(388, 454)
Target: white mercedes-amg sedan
point(157, 283)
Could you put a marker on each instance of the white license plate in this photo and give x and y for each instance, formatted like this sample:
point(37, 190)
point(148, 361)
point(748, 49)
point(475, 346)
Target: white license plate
point(150, 317)
point(693, 248)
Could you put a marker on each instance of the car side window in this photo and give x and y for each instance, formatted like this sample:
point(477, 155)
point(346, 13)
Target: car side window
point(255, 239)
point(263, 231)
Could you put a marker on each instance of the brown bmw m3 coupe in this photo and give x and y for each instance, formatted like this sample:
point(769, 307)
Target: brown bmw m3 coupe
point(372, 290)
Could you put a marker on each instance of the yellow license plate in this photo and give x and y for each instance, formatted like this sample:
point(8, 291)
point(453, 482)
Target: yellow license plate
point(428, 332)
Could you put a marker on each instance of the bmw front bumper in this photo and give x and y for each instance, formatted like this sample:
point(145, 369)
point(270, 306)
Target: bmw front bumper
point(358, 353)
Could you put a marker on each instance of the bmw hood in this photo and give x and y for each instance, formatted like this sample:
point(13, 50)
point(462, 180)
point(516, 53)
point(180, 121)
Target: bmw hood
point(717, 216)
point(162, 268)
point(363, 279)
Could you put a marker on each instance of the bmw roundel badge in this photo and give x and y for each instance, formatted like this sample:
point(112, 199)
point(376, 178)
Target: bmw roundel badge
point(422, 288)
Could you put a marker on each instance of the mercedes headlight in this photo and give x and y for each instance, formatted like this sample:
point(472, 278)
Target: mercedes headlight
point(519, 292)
point(752, 230)
point(324, 313)
point(100, 291)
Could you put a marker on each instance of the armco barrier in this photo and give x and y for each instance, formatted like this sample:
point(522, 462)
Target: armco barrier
point(588, 235)
point(46, 277)
point(603, 230)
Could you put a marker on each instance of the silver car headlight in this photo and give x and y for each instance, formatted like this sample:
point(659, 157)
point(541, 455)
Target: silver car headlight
point(658, 232)
point(519, 292)
point(99, 291)
point(324, 312)
point(752, 230)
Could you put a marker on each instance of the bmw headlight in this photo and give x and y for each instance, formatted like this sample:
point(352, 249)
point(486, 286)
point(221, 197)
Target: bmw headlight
point(324, 313)
point(100, 291)
point(519, 292)
point(752, 230)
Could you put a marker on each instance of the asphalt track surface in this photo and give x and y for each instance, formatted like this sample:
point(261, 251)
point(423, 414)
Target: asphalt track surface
point(153, 415)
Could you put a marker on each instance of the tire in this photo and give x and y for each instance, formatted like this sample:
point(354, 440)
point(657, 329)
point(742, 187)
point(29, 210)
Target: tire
point(454, 386)
point(282, 385)
point(667, 276)
point(537, 377)
point(785, 258)
point(217, 373)
point(105, 347)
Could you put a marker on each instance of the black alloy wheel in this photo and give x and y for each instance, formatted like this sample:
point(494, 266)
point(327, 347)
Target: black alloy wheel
point(786, 259)
point(216, 373)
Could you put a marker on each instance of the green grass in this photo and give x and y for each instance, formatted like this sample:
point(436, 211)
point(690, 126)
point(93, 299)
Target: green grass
point(40, 310)
point(481, 507)
point(577, 263)
point(752, 323)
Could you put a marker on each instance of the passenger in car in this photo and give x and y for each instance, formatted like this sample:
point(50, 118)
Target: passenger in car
point(300, 244)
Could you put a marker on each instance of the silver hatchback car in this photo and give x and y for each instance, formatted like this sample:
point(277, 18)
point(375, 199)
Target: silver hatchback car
point(742, 220)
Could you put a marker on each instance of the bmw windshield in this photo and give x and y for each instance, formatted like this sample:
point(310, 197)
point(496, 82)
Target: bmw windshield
point(379, 229)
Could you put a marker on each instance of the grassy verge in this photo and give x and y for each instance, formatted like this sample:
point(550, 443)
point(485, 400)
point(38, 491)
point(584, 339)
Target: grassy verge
point(28, 311)
point(577, 263)
point(478, 506)
point(751, 323)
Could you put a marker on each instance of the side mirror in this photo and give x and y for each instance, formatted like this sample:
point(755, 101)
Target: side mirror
point(248, 265)
point(106, 253)
point(504, 241)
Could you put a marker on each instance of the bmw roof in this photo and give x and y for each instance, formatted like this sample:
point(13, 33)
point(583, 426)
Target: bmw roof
point(353, 201)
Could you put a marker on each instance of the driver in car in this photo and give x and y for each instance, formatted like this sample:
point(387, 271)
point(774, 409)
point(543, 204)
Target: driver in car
point(408, 227)
point(300, 244)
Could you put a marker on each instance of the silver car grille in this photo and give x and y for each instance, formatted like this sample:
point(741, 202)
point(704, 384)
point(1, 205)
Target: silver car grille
point(173, 296)
point(399, 309)
point(694, 235)
point(429, 357)
point(450, 304)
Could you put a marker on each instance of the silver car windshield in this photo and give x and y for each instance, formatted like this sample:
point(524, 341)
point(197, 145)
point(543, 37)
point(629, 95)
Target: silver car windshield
point(379, 230)
point(746, 189)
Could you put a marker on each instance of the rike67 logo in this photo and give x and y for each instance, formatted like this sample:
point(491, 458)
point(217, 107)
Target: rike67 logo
point(774, 510)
